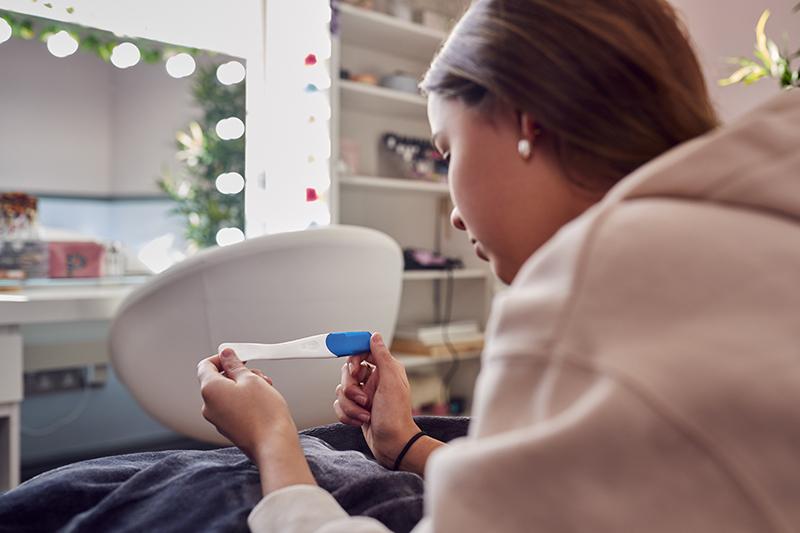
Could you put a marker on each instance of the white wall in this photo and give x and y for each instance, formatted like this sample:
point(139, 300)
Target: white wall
point(724, 28)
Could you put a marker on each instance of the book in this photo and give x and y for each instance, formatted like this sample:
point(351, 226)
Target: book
point(433, 334)
point(434, 350)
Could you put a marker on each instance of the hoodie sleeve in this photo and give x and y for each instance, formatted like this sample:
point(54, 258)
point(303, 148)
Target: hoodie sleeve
point(307, 509)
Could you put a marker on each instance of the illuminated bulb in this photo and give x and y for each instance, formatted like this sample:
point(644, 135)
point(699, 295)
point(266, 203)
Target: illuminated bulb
point(180, 65)
point(5, 30)
point(231, 72)
point(230, 128)
point(62, 44)
point(230, 183)
point(125, 55)
point(228, 236)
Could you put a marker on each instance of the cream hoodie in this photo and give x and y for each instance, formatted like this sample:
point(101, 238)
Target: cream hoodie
point(642, 373)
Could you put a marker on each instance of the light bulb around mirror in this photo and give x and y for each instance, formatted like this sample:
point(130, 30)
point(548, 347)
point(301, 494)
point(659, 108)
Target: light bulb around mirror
point(5, 30)
point(62, 44)
point(231, 72)
point(125, 55)
point(181, 65)
point(230, 128)
point(230, 183)
point(228, 236)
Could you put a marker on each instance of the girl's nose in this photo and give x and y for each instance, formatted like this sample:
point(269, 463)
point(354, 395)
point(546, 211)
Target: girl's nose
point(456, 220)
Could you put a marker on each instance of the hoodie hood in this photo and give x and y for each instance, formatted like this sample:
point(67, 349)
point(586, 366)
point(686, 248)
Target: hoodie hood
point(752, 163)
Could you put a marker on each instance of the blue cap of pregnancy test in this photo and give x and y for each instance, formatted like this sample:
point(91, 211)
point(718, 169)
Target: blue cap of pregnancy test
point(348, 342)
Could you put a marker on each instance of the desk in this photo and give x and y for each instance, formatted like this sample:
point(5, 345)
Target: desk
point(43, 302)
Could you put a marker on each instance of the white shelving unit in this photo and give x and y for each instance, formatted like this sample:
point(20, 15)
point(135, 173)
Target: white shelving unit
point(372, 99)
point(413, 212)
point(438, 275)
point(388, 34)
point(393, 183)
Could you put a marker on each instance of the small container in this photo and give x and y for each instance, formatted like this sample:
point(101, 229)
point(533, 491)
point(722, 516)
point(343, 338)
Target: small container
point(402, 10)
point(350, 154)
point(400, 81)
point(114, 263)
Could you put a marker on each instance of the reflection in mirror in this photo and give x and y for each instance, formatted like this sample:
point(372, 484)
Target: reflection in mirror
point(117, 155)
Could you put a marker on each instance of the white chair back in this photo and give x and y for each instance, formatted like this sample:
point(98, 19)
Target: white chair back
point(267, 289)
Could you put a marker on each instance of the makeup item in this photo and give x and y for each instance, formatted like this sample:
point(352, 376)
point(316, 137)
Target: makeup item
point(75, 259)
point(325, 346)
point(421, 259)
point(369, 79)
point(400, 156)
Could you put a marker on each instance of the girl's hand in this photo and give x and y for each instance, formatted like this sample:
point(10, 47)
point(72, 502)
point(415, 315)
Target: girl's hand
point(243, 404)
point(377, 397)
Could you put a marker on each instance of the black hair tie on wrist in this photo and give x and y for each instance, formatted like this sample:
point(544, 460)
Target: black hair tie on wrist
point(407, 447)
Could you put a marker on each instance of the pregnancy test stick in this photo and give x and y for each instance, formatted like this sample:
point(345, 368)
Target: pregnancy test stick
point(323, 346)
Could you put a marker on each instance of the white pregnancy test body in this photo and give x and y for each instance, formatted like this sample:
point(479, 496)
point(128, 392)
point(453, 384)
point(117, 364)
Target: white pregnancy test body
point(322, 346)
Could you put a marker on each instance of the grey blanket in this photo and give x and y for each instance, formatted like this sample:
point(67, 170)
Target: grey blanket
point(212, 490)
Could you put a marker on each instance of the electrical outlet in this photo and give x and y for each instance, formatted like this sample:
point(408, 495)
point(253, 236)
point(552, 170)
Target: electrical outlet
point(61, 380)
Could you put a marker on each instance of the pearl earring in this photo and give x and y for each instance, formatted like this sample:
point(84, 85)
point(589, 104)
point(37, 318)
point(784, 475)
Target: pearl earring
point(524, 148)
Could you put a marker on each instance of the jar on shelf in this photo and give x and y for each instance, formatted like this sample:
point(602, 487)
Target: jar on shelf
point(114, 262)
point(18, 217)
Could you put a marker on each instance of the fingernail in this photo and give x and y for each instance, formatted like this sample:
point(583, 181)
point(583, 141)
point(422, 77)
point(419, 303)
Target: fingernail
point(364, 417)
point(378, 339)
point(226, 353)
point(362, 400)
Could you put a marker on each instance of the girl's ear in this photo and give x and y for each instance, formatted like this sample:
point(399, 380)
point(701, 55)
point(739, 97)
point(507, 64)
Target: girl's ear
point(527, 134)
point(528, 128)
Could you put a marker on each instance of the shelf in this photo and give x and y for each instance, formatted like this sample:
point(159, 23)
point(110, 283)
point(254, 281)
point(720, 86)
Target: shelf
point(384, 33)
point(366, 98)
point(397, 184)
point(106, 281)
point(427, 275)
point(422, 361)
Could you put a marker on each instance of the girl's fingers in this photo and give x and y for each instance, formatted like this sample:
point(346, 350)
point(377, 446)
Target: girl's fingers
point(364, 371)
point(349, 408)
point(343, 418)
point(356, 394)
point(347, 378)
point(354, 364)
point(371, 385)
point(260, 374)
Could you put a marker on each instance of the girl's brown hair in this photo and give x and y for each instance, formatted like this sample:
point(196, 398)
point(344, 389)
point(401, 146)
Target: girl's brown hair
point(611, 83)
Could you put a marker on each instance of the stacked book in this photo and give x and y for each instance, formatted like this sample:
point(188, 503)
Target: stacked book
point(438, 339)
